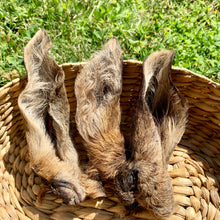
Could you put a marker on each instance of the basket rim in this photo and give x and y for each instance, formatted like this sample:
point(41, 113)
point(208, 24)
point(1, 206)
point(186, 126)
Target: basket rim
point(139, 63)
point(125, 62)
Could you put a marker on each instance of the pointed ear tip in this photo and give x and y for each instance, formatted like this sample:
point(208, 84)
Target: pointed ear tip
point(172, 55)
point(114, 39)
point(172, 52)
point(169, 52)
point(157, 57)
point(40, 36)
point(43, 33)
point(40, 32)
point(112, 42)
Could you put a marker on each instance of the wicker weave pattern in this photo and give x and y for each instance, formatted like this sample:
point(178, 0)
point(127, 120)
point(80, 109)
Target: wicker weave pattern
point(194, 165)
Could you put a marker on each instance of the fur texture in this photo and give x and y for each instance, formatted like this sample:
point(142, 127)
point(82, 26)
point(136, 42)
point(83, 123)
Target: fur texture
point(98, 88)
point(45, 108)
point(158, 124)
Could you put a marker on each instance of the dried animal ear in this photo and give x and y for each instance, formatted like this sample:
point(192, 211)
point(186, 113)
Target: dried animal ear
point(158, 124)
point(45, 108)
point(154, 188)
point(168, 108)
point(98, 87)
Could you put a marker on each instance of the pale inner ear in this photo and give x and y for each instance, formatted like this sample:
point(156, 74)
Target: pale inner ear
point(156, 84)
point(148, 74)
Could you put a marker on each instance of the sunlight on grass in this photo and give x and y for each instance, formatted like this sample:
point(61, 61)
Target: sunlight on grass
point(79, 28)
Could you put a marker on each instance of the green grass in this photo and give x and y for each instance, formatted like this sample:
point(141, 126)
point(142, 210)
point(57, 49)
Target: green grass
point(79, 28)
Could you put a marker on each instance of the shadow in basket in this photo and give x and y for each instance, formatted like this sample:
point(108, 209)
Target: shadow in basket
point(193, 167)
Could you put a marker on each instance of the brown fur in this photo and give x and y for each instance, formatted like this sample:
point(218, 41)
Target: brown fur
point(45, 108)
point(158, 124)
point(98, 88)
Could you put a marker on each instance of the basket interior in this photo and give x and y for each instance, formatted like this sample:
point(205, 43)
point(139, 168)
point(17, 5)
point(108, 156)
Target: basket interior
point(194, 165)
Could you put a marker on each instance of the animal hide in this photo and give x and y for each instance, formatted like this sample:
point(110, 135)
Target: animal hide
point(98, 87)
point(158, 124)
point(45, 109)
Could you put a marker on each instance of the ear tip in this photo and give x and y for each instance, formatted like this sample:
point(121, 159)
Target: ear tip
point(42, 33)
point(172, 55)
point(38, 45)
point(158, 59)
point(162, 54)
point(170, 52)
point(40, 36)
point(112, 43)
point(114, 39)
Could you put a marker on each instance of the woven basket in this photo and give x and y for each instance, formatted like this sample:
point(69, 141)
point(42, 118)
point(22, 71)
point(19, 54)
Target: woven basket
point(194, 165)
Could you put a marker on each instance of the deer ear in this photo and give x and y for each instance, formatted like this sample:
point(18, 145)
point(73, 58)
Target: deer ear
point(156, 73)
point(44, 106)
point(163, 99)
point(45, 75)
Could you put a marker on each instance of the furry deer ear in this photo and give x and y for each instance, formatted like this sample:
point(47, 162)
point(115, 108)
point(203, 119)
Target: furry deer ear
point(158, 124)
point(45, 108)
point(157, 69)
point(98, 87)
point(164, 101)
point(154, 188)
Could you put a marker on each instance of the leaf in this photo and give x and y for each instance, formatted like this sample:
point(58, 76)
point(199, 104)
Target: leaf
point(11, 60)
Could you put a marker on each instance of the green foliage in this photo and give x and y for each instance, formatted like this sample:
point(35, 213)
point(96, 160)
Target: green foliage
point(79, 28)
